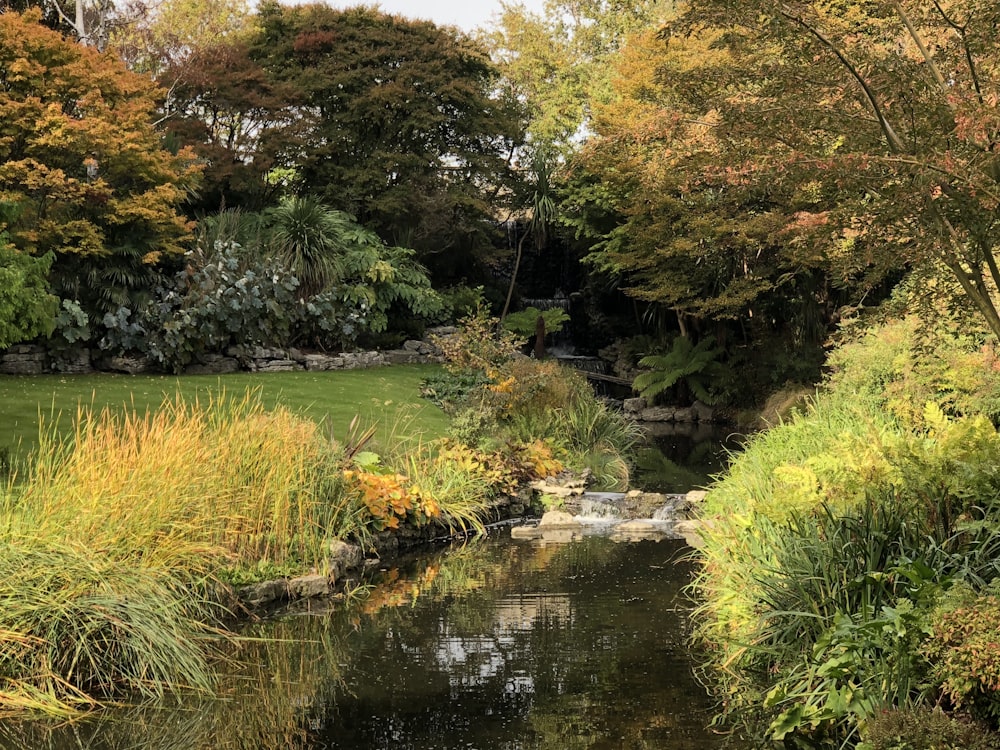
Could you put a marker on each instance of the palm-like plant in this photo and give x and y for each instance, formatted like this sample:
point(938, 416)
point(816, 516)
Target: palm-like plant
point(692, 366)
point(309, 238)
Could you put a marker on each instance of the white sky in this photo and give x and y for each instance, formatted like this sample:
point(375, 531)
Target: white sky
point(466, 14)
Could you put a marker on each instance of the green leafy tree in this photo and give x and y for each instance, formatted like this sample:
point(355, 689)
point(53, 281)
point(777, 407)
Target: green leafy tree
point(408, 132)
point(560, 61)
point(27, 309)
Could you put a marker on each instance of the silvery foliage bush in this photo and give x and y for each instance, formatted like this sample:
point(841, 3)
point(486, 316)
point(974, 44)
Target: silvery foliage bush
point(227, 302)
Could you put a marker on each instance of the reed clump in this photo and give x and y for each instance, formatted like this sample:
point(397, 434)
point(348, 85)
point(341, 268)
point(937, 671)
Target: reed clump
point(191, 486)
point(114, 541)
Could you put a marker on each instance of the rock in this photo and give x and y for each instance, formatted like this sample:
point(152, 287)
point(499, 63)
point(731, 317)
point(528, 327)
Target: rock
point(634, 406)
point(702, 412)
point(658, 414)
point(76, 362)
point(309, 586)
point(557, 519)
point(275, 365)
point(213, 364)
point(695, 497)
point(23, 359)
point(686, 414)
point(402, 357)
point(637, 531)
point(323, 362)
point(691, 531)
point(263, 593)
point(133, 364)
point(342, 557)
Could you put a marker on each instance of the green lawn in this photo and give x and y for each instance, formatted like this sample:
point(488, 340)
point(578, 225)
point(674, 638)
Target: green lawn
point(386, 395)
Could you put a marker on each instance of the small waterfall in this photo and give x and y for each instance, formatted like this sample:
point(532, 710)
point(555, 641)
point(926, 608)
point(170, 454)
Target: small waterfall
point(606, 506)
point(618, 506)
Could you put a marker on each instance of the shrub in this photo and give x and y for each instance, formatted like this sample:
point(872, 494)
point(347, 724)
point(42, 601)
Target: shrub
point(825, 546)
point(964, 650)
point(924, 729)
point(906, 363)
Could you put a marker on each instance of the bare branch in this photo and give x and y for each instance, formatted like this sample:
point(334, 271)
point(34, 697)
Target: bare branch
point(931, 65)
point(893, 140)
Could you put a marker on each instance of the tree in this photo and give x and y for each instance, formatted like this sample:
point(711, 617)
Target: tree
point(672, 227)
point(169, 32)
point(27, 309)
point(881, 119)
point(81, 166)
point(409, 134)
point(237, 119)
point(559, 62)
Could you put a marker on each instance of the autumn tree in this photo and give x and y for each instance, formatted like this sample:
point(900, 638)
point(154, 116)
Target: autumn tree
point(409, 133)
point(660, 216)
point(82, 166)
point(559, 61)
point(163, 35)
point(880, 120)
point(239, 121)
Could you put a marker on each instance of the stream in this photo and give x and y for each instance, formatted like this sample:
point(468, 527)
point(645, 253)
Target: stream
point(494, 644)
point(549, 641)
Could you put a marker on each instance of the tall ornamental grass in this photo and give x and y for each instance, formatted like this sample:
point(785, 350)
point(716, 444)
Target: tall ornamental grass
point(189, 485)
point(112, 545)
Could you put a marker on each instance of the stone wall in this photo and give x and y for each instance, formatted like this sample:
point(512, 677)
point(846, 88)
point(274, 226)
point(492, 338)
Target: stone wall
point(32, 359)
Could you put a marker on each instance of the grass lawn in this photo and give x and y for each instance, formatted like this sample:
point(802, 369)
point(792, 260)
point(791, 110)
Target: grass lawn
point(388, 396)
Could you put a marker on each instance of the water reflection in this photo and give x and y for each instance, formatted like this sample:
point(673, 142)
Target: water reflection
point(498, 645)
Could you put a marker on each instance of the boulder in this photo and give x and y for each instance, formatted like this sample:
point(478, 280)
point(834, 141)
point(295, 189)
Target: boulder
point(658, 414)
point(265, 592)
point(557, 519)
point(308, 587)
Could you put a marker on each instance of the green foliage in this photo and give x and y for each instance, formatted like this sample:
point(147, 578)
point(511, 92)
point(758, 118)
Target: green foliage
point(525, 322)
point(963, 651)
point(693, 365)
point(80, 627)
point(224, 301)
point(423, 175)
point(27, 309)
point(827, 545)
point(479, 345)
point(907, 362)
point(923, 729)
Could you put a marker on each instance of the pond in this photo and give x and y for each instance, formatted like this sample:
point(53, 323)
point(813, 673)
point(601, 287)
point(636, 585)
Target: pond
point(497, 644)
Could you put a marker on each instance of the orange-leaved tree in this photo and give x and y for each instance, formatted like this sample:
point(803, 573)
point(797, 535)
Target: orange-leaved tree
point(82, 167)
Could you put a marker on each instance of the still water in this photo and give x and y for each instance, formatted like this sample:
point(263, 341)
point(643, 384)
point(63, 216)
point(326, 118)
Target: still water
point(495, 645)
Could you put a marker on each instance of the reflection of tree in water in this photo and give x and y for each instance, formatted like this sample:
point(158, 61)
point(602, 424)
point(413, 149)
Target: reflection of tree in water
point(493, 644)
point(683, 457)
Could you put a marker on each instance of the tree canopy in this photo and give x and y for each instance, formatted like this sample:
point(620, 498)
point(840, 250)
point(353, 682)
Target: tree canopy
point(878, 121)
point(406, 130)
point(83, 169)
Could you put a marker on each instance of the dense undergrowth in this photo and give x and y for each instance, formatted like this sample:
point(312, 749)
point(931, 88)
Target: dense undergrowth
point(120, 540)
point(850, 578)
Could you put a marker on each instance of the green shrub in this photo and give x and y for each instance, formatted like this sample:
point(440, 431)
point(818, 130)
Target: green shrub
point(906, 363)
point(924, 729)
point(964, 651)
